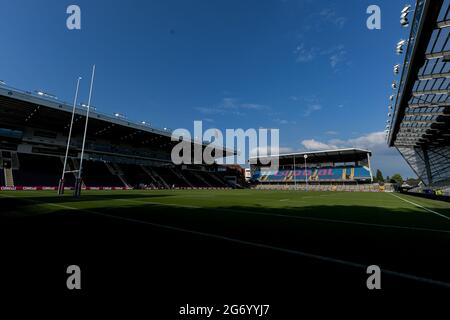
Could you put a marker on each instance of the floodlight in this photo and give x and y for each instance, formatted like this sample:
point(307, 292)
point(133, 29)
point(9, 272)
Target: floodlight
point(399, 47)
point(404, 22)
point(391, 97)
point(394, 85)
point(406, 8)
point(45, 94)
point(396, 68)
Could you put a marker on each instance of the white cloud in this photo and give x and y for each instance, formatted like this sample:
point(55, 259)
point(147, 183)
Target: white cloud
point(312, 108)
point(304, 54)
point(284, 121)
point(331, 16)
point(331, 132)
point(384, 158)
point(374, 140)
point(268, 150)
point(312, 144)
point(231, 105)
point(253, 106)
point(336, 55)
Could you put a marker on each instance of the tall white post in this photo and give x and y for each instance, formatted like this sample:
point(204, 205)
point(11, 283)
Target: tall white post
point(295, 177)
point(78, 186)
point(61, 182)
point(306, 173)
point(370, 169)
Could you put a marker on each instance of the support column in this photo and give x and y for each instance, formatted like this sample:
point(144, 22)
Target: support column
point(370, 168)
point(426, 160)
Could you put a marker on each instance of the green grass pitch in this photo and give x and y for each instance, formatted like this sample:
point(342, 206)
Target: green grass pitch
point(334, 234)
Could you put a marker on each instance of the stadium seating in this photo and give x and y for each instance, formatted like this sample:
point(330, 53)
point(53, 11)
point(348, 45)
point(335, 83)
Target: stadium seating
point(96, 174)
point(196, 178)
point(361, 173)
point(215, 179)
point(136, 176)
point(45, 171)
point(328, 187)
point(314, 174)
point(2, 178)
point(36, 170)
point(170, 177)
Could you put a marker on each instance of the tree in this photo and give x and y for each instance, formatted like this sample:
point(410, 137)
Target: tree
point(379, 176)
point(413, 182)
point(397, 178)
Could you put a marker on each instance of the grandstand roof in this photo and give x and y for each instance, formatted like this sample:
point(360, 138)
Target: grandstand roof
point(420, 125)
point(421, 114)
point(332, 155)
point(20, 109)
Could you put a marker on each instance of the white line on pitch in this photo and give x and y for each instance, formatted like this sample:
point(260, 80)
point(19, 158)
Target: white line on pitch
point(284, 250)
point(422, 207)
point(349, 222)
point(259, 245)
point(159, 203)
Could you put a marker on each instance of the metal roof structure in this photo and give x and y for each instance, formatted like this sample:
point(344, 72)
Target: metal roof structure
point(420, 123)
point(23, 109)
point(333, 155)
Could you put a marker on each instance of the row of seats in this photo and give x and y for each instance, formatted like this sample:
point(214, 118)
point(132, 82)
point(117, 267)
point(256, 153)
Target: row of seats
point(38, 170)
point(328, 187)
point(317, 174)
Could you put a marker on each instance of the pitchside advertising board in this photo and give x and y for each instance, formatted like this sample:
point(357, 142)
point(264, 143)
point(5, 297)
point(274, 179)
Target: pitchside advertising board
point(40, 188)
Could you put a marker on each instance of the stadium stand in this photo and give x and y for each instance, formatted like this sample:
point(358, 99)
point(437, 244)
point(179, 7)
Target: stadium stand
point(37, 170)
point(315, 174)
point(119, 153)
point(96, 174)
point(329, 168)
point(419, 124)
point(137, 177)
point(375, 187)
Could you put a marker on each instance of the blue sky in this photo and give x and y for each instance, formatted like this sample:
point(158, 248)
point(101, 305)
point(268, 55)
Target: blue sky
point(310, 68)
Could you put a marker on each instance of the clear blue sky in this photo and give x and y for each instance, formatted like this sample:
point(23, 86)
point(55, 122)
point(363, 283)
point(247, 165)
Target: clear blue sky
point(310, 68)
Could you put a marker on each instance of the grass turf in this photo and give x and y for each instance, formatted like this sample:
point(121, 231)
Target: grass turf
point(296, 237)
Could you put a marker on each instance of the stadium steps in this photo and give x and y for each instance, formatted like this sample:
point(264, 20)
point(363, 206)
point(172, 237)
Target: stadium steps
point(9, 178)
point(181, 176)
point(15, 165)
point(159, 180)
point(119, 173)
point(155, 183)
point(69, 176)
point(76, 166)
point(158, 177)
point(220, 181)
point(201, 178)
